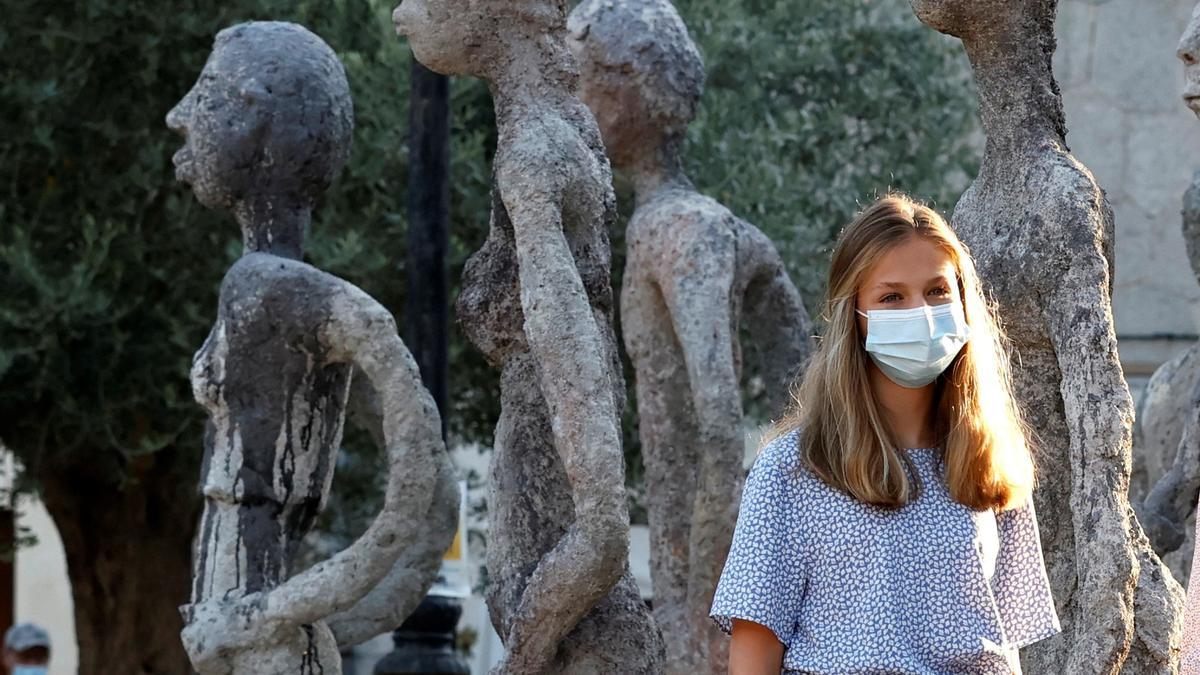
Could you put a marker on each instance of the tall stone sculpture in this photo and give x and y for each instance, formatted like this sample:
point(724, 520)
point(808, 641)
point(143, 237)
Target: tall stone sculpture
point(266, 127)
point(536, 299)
point(694, 274)
point(1042, 234)
point(1171, 414)
point(1168, 429)
point(1159, 423)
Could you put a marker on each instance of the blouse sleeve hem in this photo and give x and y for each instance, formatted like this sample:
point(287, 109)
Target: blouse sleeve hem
point(724, 621)
point(1036, 636)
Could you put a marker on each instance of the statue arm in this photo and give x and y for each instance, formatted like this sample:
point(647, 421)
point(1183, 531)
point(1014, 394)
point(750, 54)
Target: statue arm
point(390, 602)
point(1077, 311)
point(575, 381)
point(781, 331)
point(697, 293)
point(360, 331)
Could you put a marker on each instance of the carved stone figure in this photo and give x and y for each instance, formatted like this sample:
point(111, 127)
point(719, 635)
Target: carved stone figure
point(1159, 422)
point(1167, 434)
point(694, 273)
point(1042, 235)
point(267, 126)
point(537, 300)
point(1169, 423)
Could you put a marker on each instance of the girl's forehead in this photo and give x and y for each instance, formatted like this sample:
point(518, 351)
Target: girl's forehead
point(915, 260)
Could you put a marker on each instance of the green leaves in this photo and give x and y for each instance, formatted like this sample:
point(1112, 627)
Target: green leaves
point(815, 106)
point(109, 268)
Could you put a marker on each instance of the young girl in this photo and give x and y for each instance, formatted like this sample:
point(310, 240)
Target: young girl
point(888, 527)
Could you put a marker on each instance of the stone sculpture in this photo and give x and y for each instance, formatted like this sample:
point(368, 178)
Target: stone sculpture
point(1170, 419)
point(694, 273)
point(1159, 421)
point(267, 126)
point(1042, 234)
point(536, 299)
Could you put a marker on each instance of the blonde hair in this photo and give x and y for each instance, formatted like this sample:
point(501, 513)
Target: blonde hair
point(845, 440)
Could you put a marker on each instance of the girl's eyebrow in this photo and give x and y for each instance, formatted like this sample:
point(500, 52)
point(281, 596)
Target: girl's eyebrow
point(901, 284)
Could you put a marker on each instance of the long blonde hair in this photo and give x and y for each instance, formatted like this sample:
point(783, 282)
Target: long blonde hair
point(845, 440)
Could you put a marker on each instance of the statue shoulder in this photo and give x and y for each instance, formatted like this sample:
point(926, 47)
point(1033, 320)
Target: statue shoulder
point(288, 292)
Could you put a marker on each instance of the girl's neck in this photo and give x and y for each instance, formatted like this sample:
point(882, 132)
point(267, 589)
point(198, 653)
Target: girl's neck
point(907, 412)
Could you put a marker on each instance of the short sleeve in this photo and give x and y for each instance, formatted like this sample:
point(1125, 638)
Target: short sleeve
point(1020, 584)
point(763, 580)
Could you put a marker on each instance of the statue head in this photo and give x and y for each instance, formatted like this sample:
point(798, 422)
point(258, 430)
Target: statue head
point(269, 117)
point(640, 73)
point(1189, 53)
point(472, 37)
point(969, 18)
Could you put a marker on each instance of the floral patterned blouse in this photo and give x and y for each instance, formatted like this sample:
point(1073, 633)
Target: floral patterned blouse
point(933, 587)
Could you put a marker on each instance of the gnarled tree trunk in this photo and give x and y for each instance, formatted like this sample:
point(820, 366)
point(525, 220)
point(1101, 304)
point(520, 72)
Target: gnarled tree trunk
point(129, 560)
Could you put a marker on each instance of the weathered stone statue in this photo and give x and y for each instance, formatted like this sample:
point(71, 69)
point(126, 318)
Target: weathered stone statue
point(266, 127)
point(693, 273)
point(1159, 423)
point(1042, 235)
point(1170, 419)
point(536, 299)
point(1168, 429)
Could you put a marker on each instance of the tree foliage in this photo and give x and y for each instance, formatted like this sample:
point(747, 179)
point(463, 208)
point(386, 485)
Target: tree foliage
point(811, 109)
point(109, 268)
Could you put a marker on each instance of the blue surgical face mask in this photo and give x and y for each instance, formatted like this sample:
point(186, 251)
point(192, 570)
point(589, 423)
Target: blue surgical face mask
point(30, 670)
point(913, 346)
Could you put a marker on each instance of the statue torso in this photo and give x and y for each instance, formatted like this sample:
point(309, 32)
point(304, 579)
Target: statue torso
point(275, 411)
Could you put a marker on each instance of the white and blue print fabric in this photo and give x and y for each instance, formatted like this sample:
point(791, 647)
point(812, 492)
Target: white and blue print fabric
point(933, 587)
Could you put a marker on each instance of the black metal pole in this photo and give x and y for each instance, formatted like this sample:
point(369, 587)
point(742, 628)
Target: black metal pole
point(424, 644)
point(427, 308)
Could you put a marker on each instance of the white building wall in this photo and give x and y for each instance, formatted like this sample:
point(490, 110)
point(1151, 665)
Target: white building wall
point(42, 589)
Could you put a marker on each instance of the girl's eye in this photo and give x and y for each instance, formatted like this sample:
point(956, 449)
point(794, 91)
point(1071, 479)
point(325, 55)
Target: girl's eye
point(941, 291)
point(890, 297)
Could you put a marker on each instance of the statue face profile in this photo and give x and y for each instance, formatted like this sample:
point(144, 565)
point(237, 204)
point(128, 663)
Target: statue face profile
point(1189, 53)
point(441, 33)
point(961, 17)
point(472, 37)
point(270, 116)
point(946, 16)
point(219, 128)
point(640, 72)
point(621, 114)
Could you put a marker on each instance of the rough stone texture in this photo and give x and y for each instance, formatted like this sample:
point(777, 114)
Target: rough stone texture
point(266, 128)
point(1163, 413)
point(537, 300)
point(1160, 414)
point(1120, 88)
point(693, 274)
point(1167, 435)
point(1169, 425)
point(1042, 234)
